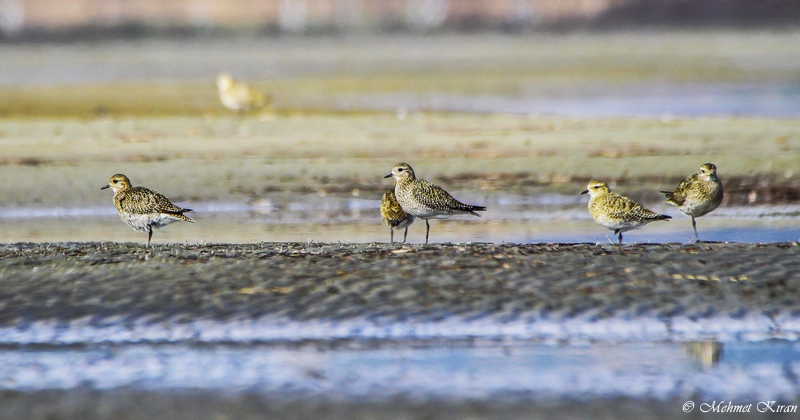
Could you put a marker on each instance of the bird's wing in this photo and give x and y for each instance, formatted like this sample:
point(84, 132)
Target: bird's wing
point(435, 197)
point(622, 207)
point(245, 93)
point(678, 196)
point(150, 200)
point(391, 209)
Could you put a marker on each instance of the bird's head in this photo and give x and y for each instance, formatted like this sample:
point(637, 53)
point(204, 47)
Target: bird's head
point(224, 81)
point(596, 188)
point(118, 183)
point(401, 171)
point(707, 171)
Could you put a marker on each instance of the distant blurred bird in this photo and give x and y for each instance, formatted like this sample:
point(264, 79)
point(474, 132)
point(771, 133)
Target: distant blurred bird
point(143, 209)
point(617, 212)
point(394, 216)
point(239, 96)
point(698, 194)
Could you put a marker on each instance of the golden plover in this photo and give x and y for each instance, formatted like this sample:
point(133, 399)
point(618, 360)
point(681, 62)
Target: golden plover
point(143, 209)
point(617, 212)
point(424, 200)
point(239, 96)
point(394, 216)
point(698, 194)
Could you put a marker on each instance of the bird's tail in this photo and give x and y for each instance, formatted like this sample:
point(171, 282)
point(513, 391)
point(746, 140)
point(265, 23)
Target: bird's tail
point(675, 200)
point(661, 217)
point(179, 215)
point(468, 208)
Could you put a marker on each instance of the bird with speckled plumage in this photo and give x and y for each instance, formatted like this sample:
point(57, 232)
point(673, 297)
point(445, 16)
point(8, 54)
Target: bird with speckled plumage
point(617, 212)
point(425, 200)
point(698, 194)
point(143, 209)
point(239, 96)
point(394, 216)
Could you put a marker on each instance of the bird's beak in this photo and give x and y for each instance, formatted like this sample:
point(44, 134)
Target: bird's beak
point(107, 186)
point(584, 192)
point(388, 176)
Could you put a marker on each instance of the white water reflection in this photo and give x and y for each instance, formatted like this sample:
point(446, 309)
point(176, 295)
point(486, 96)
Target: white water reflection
point(651, 100)
point(661, 370)
point(512, 218)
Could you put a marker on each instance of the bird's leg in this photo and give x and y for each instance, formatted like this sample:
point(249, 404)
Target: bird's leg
point(405, 235)
point(619, 233)
point(427, 230)
point(391, 236)
point(694, 226)
point(149, 235)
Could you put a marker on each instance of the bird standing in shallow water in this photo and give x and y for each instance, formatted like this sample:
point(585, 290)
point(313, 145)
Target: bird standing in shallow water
point(617, 212)
point(424, 200)
point(143, 209)
point(394, 216)
point(239, 96)
point(698, 194)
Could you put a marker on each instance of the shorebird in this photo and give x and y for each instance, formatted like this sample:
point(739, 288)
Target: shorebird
point(617, 212)
point(424, 200)
point(239, 96)
point(393, 214)
point(698, 194)
point(143, 209)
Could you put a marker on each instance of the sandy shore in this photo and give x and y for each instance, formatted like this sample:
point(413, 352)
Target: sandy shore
point(474, 113)
point(63, 163)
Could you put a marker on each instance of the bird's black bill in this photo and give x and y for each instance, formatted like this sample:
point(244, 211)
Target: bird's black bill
point(388, 176)
point(107, 186)
point(585, 192)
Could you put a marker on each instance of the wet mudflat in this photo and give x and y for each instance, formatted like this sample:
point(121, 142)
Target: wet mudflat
point(330, 331)
point(87, 404)
point(382, 285)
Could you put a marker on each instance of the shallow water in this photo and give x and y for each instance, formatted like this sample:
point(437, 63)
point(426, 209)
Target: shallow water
point(439, 370)
point(654, 100)
point(516, 219)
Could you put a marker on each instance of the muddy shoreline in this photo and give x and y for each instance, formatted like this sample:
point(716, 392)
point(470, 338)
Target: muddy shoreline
point(102, 284)
point(85, 404)
point(106, 303)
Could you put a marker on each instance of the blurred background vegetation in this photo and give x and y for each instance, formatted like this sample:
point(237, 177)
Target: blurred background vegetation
point(46, 19)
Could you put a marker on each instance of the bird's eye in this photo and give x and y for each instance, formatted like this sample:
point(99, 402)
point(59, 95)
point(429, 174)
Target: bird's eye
point(400, 169)
point(115, 181)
